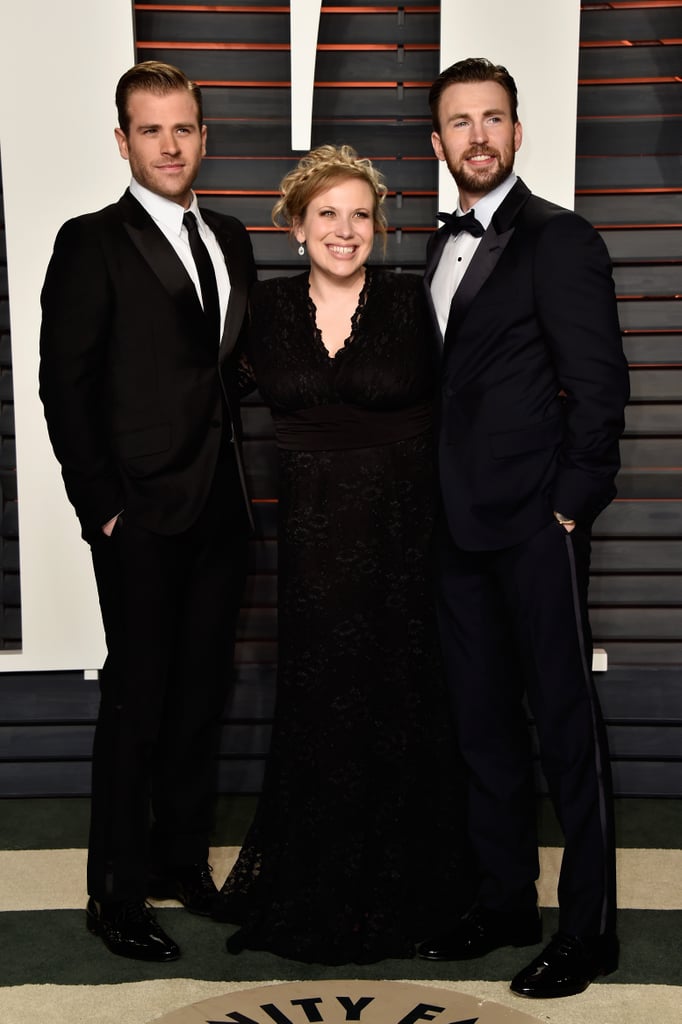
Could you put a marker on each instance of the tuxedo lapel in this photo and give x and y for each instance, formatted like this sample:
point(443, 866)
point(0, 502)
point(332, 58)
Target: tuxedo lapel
point(238, 282)
point(162, 259)
point(434, 252)
point(484, 261)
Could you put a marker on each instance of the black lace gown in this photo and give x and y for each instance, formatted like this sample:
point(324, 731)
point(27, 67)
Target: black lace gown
point(352, 853)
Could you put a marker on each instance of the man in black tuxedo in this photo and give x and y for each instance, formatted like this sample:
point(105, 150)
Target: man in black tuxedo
point(534, 383)
point(143, 306)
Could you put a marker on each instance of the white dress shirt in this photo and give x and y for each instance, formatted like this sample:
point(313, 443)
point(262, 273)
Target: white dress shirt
point(167, 216)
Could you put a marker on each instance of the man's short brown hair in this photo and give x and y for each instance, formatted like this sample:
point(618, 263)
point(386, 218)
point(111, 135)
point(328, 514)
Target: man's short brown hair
point(472, 69)
point(153, 76)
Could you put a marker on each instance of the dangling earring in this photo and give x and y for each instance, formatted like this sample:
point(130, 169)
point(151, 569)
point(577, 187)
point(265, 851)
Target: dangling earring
point(301, 249)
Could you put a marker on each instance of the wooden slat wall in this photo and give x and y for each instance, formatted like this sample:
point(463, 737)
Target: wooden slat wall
point(629, 184)
point(386, 58)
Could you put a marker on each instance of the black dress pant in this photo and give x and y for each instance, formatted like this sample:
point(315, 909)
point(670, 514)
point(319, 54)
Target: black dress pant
point(169, 606)
point(514, 625)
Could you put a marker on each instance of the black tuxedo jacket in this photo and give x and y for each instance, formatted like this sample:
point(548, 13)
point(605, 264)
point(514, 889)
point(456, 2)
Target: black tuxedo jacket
point(534, 380)
point(137, 397)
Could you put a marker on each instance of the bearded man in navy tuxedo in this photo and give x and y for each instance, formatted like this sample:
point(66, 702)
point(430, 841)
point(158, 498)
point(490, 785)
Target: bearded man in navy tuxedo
point(534, 384)
point(143, 307)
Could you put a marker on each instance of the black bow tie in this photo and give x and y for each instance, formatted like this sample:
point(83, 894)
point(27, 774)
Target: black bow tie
point(467, 222)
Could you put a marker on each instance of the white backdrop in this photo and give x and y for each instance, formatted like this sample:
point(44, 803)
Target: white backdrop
point(59, 64)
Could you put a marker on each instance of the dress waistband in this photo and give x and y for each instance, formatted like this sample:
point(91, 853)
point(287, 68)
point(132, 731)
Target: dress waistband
point(335, 427)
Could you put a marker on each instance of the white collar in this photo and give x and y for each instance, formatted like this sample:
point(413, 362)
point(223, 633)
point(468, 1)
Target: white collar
point(164, 211)
point(485, 207)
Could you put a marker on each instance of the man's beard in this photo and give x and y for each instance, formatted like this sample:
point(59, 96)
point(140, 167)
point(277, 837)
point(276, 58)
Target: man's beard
point(482, 181)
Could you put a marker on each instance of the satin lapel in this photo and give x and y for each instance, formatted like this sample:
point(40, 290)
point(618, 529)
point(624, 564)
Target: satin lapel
point(239, 286)
point(485, 259)
point(434, 250)
point(479, 270)
point(162, 259)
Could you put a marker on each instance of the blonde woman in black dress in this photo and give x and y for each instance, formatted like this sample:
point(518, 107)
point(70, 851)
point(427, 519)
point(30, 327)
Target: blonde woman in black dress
point(351, 856)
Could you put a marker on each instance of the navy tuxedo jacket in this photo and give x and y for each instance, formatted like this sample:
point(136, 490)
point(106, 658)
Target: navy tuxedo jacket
point(534, 380)
point(135, 391)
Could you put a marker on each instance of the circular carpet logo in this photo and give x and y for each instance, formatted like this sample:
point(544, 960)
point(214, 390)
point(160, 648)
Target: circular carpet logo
point(337, 1002)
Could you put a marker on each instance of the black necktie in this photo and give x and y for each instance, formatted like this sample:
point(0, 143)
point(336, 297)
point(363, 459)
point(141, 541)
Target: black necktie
point(202, 260)
point(467, 222)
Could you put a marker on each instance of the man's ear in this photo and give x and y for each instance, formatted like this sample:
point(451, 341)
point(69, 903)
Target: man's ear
point(122, 142)
point(437, 146)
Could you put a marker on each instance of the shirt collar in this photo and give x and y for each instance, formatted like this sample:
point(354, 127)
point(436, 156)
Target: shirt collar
point(485, 207)
point(164, 211)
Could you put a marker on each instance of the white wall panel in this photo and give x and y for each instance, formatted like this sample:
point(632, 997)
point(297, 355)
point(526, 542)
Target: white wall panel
point(304, 18)
point(59, 64)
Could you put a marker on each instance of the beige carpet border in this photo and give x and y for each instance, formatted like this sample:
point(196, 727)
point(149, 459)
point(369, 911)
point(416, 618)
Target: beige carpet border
point(141, 1002)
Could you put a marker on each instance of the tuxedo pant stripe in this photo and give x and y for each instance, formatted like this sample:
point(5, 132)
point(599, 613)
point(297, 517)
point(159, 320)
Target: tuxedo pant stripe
point(582, 629)
point(514, 627)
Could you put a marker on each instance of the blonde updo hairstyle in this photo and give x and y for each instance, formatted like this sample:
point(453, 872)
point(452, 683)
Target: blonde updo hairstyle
point(319, 170)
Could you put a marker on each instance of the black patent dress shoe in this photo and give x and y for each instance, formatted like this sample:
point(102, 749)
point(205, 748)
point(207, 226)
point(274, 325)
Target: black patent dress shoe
point(191, 884)
point(566, 966)
point(481, 930)
point(129, 928)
